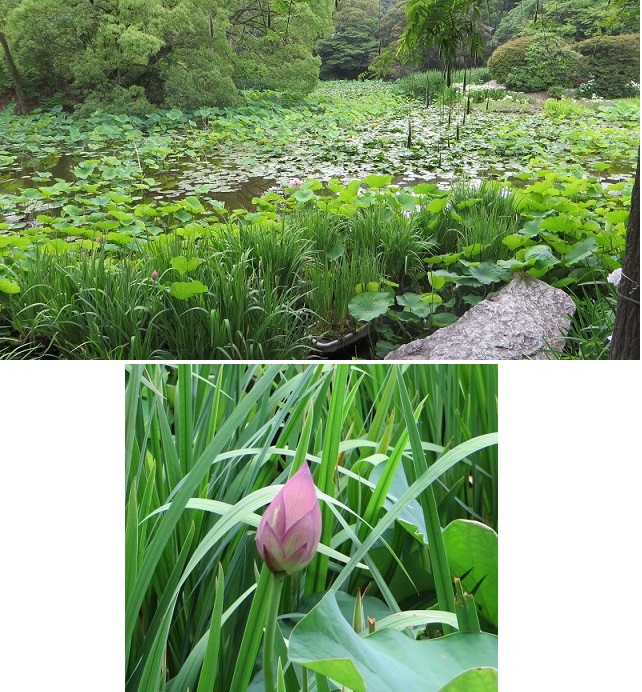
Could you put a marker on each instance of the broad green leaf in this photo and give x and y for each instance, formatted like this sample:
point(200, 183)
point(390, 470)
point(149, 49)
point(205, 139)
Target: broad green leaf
point(194, 204)
point(408, 202)
point(559, 224)
point(325, 642)
point(8, 286)
point(377, 181)
point(58, 246)
point(413, 618)
point(436, 205)
point(182, 264)
point(513, 241)
point(336, 251)
point(303, 195)
point(431, 298)
point(531, 228)
point(443, 319)
point(488, 273)
point(186, 289)
point(449, 277)
point(436, 281)
point(424, 189)
point(31, 193)
point(580, 251)
point(542, 255)
point(617, 216)
point(119, 238)
point(183, 215)
point(369, 306)
point(473, 250)
point(414, 304)
point(371, 286)
point(472, 549)
point(474, 680)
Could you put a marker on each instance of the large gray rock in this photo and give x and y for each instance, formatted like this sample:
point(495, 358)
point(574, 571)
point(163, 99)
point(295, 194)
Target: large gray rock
point(524, 320)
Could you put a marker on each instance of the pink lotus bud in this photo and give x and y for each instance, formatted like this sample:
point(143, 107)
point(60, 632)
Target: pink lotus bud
point(290, 528)
point(154, 274)
point(295, 182)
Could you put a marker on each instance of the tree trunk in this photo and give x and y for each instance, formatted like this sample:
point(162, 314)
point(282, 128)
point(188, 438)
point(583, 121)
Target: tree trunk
point(15, 75)
point(625, 344)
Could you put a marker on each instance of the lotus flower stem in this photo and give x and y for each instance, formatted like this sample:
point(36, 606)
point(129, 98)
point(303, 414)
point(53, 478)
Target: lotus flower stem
point(270, 630)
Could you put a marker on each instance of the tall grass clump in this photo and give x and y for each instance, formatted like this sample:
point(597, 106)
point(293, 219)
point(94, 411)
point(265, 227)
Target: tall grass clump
point(429, 86)
point(94, 306)
point(399, 456)
point(477, 215)
point(564, 108)
point(589, 336)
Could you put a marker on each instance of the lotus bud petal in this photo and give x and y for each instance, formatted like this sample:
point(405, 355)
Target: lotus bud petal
point(154, 274)
point(290, 528)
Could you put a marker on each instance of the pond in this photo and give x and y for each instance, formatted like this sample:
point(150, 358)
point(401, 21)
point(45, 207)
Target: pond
point(236, 155)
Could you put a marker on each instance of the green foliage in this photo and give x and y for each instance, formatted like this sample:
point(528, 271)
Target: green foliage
point(429, 86)
point(613, 65)
point(556, 92)
point(346, 53)
point(564, 108)
point(450, 27)
point(123, 57)
point(534, 63)
point(508, 58)
point(199, 82)
point(477, 215)
point(572, 20)
point(324, 641)
point(208, 446)
point(514, 23)
point(589, 336)
point(129, 101)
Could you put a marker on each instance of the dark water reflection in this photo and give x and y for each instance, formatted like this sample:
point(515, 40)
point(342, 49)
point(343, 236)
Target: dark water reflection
point(236, 188)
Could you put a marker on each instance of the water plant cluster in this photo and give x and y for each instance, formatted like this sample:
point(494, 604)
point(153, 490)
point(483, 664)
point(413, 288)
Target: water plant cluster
point(116, 240)
point(392, 582)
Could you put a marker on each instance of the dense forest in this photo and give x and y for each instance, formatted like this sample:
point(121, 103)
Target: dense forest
point(135, 55)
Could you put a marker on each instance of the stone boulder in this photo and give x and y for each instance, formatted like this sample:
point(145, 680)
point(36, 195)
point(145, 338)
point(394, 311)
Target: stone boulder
point(525, 320)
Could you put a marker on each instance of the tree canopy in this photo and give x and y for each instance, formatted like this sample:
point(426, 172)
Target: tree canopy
point(135, 54)
point(348, 51)
point(453, 27)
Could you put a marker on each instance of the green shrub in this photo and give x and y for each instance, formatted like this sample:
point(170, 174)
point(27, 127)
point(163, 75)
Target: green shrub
point(564, 108)
point(556, 92)
point(508, 58)
point(200, 82)
point(118, 99)
point(533, 63)
point(613, 64)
